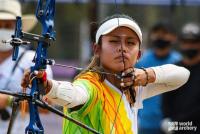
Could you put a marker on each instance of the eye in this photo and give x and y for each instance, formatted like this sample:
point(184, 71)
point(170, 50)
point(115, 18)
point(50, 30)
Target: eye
point(114, 41)
point(131, 43)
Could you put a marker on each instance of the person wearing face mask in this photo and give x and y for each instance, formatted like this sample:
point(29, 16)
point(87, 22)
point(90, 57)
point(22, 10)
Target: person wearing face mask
point(12, 71)
point(162, 37)
point(183, 104)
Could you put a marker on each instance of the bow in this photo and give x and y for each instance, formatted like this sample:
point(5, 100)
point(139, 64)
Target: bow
point(45, 14)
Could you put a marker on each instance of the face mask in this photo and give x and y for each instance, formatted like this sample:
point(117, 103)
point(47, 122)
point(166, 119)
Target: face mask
point(5, 34)
point(190, 53)
point(161, 44)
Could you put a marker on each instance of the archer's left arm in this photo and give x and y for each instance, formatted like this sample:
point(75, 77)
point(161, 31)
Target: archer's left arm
point(168, 77)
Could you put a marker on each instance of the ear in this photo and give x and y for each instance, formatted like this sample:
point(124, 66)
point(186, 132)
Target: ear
point(96, 49)
point(139, 55)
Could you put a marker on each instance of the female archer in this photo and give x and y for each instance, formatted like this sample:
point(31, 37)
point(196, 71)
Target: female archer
point(107, 95)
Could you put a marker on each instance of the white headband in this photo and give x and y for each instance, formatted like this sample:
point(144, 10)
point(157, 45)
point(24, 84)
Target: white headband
point(112, 24)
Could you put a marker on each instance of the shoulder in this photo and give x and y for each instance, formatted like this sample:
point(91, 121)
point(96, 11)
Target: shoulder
point(90, 76)
point(88, 80)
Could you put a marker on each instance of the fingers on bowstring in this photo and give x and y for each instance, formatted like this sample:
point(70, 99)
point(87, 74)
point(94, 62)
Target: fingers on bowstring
point(127, 72)
point(139, 77)
point(127, 78)
point(127, 81)
point(126, 84)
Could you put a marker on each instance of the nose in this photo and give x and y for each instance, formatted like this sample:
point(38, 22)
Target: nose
point(121, 50)
point(122, 47)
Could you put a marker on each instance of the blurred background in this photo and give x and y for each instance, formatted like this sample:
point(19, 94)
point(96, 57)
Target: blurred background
point(74, 24)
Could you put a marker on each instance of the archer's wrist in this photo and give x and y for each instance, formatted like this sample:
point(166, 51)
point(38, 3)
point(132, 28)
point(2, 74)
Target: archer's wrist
point(52, 90)
point(48, 86)
point(151, 75)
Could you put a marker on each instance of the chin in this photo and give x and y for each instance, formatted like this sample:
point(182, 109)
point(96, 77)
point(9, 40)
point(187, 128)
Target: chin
point(114, 69)
point(118, 69)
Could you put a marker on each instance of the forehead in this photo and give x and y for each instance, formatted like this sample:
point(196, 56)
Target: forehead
point(123, 31)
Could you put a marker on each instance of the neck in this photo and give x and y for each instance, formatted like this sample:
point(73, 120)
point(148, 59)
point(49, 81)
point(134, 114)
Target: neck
point(114, 80)
point(5, 55)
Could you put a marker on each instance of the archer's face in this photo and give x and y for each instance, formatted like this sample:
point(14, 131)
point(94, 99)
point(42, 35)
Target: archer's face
point(121, 40)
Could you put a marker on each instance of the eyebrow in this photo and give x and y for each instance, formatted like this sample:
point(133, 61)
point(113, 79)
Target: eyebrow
point(129, 37)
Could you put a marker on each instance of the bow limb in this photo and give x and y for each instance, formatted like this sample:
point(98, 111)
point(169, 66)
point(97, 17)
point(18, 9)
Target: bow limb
point(45, 15)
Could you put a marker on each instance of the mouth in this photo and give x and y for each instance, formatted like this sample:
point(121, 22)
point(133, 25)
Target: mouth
point(121, 58)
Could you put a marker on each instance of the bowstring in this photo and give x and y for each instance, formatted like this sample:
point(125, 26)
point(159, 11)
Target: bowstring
point(90, 70)
point(122, 53)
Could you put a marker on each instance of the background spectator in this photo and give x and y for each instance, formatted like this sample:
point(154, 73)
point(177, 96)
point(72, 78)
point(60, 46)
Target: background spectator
point(183, 105)
point(162, 38)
